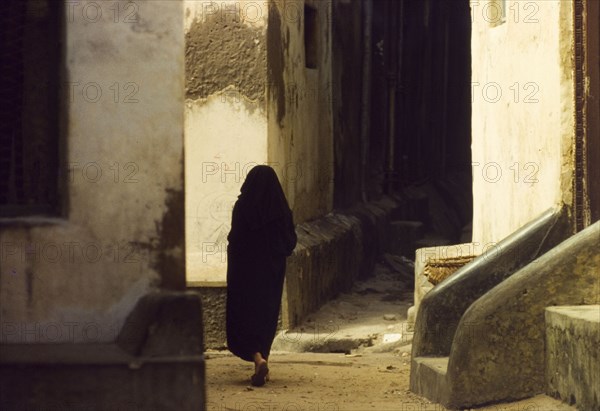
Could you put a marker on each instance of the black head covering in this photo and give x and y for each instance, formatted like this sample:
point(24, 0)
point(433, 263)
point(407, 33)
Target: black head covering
point(262, 199)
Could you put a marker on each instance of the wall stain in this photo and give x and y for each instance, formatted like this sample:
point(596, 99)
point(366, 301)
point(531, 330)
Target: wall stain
point(275, 62)
point(168, 247)
point(171, 229)
point(220, 52)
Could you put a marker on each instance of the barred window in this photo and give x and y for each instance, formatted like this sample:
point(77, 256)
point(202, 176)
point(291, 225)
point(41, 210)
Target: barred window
point(30, 41)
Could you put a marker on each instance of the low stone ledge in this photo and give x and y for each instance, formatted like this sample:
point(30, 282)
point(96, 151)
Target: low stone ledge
point(157, 363)
point(573, 355)
point(332, 252)
point(214, 300)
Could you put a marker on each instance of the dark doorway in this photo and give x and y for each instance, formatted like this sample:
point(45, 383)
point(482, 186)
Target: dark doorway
point(426, 126)
point(402, 108)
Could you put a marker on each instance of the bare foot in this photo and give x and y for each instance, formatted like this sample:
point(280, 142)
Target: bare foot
point(261, 370)
point(261, 374)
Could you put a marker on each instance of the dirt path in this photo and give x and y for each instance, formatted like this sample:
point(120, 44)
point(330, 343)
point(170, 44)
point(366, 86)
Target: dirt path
point(313, 382)
point(329, 382)
point(374, 376)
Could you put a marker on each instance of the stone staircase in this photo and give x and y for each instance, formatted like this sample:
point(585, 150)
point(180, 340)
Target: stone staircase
point(480, 335)
point(572, 359)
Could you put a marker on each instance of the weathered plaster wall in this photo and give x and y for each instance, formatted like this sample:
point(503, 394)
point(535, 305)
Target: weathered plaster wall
point(225, 122)
point(522, 121)
point(76, 278)
point(299, 107)
point(251, 100)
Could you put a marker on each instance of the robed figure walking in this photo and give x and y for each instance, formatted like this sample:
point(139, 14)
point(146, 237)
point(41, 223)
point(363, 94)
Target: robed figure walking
point(262, 236)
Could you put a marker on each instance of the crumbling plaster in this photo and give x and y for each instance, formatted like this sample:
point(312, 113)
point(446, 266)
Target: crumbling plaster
point(75, 278)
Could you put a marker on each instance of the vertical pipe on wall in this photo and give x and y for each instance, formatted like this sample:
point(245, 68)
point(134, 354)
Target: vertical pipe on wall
point(445, 126)
point(400, 50)
point(365, 125)
point(394, 61)
point(391, 85)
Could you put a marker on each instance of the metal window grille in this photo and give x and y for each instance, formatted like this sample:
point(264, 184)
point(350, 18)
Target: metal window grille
point(29, 72)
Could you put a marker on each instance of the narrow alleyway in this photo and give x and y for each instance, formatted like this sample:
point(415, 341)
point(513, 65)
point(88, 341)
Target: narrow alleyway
point(463, 136)
point(353, 354)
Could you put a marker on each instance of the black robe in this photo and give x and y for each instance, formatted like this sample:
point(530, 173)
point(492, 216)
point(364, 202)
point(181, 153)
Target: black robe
point(262, 236)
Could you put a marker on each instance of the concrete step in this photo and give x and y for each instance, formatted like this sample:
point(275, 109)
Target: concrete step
point(573, 355)
point(371, 317)
point(428, 378)
point(431, 382)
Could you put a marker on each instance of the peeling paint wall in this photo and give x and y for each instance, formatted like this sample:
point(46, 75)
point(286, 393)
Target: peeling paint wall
point(523, 111)
point(299, 106)
point(75, 279)
point(251, 100)
point(225, 122)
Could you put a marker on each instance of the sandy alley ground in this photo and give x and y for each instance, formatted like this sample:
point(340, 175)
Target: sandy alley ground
point(353, 354)
point(330, 382)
